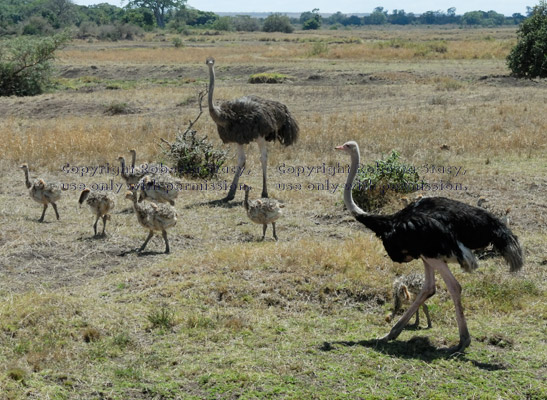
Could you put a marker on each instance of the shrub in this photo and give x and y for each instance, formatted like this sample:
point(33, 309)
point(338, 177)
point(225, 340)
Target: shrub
point(528, 59)
point(376, 183)
point(267, 77)
point(194, 156)
point(25, 67)
point(37, 25)
point(177, 42)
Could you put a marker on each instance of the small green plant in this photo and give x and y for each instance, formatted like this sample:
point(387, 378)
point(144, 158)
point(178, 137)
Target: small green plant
point(267, 77)
point(319, 49)
point(17, 374)
point(192, 155)
point(116, 108)
point(163, 317)
point(177, 42)
point(376, 183)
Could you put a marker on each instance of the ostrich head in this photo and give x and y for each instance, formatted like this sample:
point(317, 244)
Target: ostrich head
point(210, 61)
point(349, 147)
point(24, 166)
point(130, 195)
point(246, 188)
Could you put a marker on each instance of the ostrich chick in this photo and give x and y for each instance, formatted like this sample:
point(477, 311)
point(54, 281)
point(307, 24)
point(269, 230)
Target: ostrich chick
point(405, 290)
point(131, 175)
point(100, 204)
point(159, 188)
point(153, 217)
point(262, 211)
point(42, 192)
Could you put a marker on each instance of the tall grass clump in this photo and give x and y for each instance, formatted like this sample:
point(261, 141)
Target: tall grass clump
point(377, 183)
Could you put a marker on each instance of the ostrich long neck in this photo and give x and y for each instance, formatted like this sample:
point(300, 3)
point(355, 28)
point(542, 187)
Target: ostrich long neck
point(213, 110)
point(133, 159)
point(379, 224)
point(122, 162)
point(348, 197)
point(246, 201)
point(27, 180)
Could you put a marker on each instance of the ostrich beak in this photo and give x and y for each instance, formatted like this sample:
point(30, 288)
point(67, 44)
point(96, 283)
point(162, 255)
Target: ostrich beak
point(339, 147)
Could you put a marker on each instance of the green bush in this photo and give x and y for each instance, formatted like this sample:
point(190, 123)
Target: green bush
point(25, 67)
point(267, 77)
point(528, 59)
point(376, 183)
point(193, 156)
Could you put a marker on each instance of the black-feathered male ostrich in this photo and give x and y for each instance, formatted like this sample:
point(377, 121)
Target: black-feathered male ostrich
point(437, 230)
point(250, 119)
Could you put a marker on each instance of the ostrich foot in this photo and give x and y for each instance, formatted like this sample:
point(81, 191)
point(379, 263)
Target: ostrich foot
point(228, 198)
point(460, 347)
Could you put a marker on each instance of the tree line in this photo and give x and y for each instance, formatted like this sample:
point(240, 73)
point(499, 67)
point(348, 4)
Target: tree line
point(110, 22)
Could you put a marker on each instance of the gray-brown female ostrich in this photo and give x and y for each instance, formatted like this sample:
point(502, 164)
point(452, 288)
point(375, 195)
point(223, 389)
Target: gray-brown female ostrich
point(437, 230)
point(249, 119)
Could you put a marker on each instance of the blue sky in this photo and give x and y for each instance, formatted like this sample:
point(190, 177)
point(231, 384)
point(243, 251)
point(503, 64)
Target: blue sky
point(506, 7)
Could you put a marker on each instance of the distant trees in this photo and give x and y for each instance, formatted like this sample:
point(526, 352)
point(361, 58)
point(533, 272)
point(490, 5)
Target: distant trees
point(159, 7)
point(109, 22)
point(277, 23)
point(528, 59)
point(311, 20)
point(378, 17)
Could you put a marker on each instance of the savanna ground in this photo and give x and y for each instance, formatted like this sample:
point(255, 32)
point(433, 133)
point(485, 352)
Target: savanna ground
point(227, 316)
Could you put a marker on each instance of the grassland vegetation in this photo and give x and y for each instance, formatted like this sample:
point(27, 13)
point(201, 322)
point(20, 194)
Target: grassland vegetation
point(224, 315)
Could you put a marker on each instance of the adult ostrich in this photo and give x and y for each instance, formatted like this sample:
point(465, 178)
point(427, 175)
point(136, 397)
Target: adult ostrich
point(437, 230)
point(250, 119)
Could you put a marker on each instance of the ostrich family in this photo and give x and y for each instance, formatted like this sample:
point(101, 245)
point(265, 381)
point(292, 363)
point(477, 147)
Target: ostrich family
point(250, 119)
point(437, 230)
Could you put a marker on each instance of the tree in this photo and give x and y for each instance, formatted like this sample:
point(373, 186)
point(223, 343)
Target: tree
point(25, 64)
point(528, 59)
point(277, 23)
point(378, 17)
point(158, 7)
point(311, 20)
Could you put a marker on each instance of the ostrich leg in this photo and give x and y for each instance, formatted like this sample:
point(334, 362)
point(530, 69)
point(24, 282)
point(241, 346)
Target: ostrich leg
point(239, 171)
point(455, 290)
point(262, 146)
point(43, 213)
point(146, 241)
point(427, 291)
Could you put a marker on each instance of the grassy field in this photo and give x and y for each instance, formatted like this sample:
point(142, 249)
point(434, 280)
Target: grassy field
point(226, 316)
